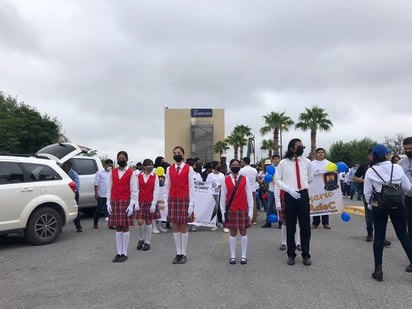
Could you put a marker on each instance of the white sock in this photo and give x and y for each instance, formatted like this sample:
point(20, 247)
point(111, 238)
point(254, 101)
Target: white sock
point(185, 240)
point(140, 231)
point(283, 235)
point(119, 242)
point(297, 235)
point(232, 243)
point(148, 231)
point(178, 243)
point(125, 242)
point(243, 241)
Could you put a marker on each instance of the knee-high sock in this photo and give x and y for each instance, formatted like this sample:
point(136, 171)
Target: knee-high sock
point(140, 232)
point(178, 243)
point(283, 234)
point(119, 242)
point(232, 243)
point(148, 233)
point(185, 240)
point(243, 241)
point(297, 234)
point(125, 242)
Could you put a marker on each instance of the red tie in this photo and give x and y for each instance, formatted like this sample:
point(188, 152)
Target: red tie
point(235, 178)
point(298, 174)
point(178, 169)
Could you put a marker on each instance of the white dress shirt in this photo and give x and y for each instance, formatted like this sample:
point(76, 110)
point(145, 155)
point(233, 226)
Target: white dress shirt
point(251, 174)
point(319, 166)
point(286, 174)
point(101, 181)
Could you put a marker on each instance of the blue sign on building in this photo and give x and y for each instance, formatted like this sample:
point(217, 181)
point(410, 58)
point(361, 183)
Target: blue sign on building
point(201, 112)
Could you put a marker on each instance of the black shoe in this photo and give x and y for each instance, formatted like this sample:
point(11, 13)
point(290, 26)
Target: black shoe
point(116, 258)
point(122, 258)
point(369, 238)
point(282, 247)
point(291, 261)
point(307, 261)
point(232, 261)
point(79, 230)
point(243, 261)
point(386, 242)
point(409, 268)
point(267, 224)
point(177, 259)
point(378, 274)
point(95, 225)
point(139, 245)
point(299, 247)
point(146, 247)
point(183, 259)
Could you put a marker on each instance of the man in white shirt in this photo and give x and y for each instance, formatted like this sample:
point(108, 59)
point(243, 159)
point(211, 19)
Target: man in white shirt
point(319, 167)
point(406, 164)
point(293, 176)
point(101, 180)
point(251, 174)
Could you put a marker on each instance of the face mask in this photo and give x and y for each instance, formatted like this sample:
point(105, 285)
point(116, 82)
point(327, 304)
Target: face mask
point(235, 169)
point(178, 158)
point(122, 163)
point(409, 154)
point(299, 151)
point(108, 169)
point(149, 169)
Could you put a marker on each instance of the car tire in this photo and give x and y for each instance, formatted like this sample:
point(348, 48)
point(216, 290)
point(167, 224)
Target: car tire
point(43, 227)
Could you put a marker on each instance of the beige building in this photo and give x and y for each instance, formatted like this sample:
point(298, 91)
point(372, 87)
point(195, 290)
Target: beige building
point(197, 130)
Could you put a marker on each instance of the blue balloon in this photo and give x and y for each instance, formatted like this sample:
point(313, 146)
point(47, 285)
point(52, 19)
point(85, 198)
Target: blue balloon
point(257, 193)
point(342, 167)
point(345, 216)
point(271, 170)
point(272, 218)
point(268, 178)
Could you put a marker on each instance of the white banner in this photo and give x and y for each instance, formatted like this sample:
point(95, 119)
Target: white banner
point(325, 195)
point(206, 204)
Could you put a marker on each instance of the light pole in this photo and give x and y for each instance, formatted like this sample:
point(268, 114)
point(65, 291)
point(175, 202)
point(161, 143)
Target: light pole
point(251, 147)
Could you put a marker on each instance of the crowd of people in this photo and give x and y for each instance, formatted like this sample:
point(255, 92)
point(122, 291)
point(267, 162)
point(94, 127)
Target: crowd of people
point(128, 196)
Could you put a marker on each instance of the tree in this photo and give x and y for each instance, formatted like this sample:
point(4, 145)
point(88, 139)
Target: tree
point(23, 129)
point(352, 152)
point(314, 119)
point(267, 144)
point(220, 147)
point(395, 143)
point(245, 132)
point(273, 123)
point(236, 139)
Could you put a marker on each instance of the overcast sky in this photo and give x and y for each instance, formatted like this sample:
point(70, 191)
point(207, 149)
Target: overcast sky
point(107, 69)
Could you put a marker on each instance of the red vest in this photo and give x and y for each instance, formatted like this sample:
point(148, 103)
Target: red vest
point(121, 186)
point(239, 201)
point(179, 183)
point(146, 188)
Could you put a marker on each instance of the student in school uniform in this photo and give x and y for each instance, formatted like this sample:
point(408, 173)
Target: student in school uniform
point(146, 209)
point(240, 210)
point(179, 194)
point(121, 200)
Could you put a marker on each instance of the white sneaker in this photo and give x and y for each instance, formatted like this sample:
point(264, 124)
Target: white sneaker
point(162, 229)
point(155, 230)
point(214, 228)
point(106, 219)
point(226, 230)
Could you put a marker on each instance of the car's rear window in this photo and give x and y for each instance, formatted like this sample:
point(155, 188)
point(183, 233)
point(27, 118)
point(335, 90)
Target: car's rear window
point(40, 172)
point(84, 166)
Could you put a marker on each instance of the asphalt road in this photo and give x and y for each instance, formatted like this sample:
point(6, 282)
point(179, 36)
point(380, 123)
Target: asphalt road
point(76, 272)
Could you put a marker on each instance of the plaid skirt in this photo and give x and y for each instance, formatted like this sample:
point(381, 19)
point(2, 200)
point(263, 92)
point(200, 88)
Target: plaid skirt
point(177, 209)
point(118, 217)
point(237, 220)
point(144, 212)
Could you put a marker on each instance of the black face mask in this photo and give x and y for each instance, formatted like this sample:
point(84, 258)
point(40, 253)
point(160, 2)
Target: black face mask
point(409, 154)
point(178, 158)
point(122, 163)
point(299, 151)
point(235, 169)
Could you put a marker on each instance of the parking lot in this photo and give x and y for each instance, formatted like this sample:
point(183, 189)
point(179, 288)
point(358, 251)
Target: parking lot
point(76, 271)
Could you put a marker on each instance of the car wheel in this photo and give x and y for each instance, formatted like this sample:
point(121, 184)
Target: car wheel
point(44, 226)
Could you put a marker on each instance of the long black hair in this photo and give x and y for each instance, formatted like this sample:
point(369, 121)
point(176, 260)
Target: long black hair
point(291, 148)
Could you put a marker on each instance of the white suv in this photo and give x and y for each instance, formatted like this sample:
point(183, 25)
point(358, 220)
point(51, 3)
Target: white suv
point(36, 195)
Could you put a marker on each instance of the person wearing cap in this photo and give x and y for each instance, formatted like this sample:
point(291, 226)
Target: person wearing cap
point(406, 164)
point(293, 175)
point(390, 173)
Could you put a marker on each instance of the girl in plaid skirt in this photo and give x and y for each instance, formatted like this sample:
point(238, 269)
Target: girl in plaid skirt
point(147, 192)
point(121, 200)
point(240, 211)
point(179, 194)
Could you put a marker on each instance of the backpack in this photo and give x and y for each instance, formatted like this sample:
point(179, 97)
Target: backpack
point(391, 195)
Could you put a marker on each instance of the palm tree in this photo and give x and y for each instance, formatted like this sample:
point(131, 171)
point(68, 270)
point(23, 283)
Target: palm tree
point(244, 131)
point(267, 144)
point(235, 139)
point(314, 119)
point(273, 123)
point(220, 147)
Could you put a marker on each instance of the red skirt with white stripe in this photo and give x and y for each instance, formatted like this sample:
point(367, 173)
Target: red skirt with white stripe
point(144, 212)
point(177, 209)
point(118, 217)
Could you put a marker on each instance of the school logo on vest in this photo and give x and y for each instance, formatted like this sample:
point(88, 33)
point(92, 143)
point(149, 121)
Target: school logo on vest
point(330, 180)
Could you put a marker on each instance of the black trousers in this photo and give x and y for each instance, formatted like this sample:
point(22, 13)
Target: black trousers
point(297, 209)
point(408, 210)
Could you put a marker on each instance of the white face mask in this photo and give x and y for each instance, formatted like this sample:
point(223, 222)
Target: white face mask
point(108, 169)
